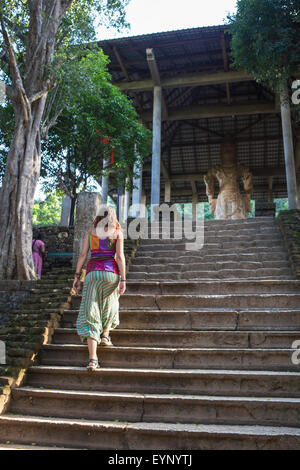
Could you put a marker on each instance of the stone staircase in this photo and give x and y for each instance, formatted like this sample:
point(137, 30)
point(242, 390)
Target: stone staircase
point(202, 356)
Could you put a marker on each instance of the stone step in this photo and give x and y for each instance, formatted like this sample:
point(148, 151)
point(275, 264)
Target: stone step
point(166, 408)
point(203, 319)
point(48, 291)
point(186, 258)
point(177, 232)
point(225, 224)
point(177, 358)
point(162, 245)
point(207, 250)
point(53, 285)
point(249, 221)
point(186, 381)
point(184, 301)
point(271, 238)
point(47, 305)
point(27, 313)
point(145, 436)
point(213, 287)
point(214, 275)
point(175, 266)
point(191, 339)
point(33, 446)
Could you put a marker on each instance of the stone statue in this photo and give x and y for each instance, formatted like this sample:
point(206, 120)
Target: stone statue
point(230, 204)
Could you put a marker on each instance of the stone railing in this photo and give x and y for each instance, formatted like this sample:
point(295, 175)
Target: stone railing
point(290, 228)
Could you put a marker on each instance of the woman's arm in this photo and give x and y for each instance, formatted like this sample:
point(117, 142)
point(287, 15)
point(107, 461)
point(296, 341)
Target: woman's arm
point(83, 253)
point(80, 263)
point(120, 259)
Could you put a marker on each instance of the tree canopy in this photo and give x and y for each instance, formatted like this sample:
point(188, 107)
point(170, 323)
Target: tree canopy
point(266, 39)
point(96, 121)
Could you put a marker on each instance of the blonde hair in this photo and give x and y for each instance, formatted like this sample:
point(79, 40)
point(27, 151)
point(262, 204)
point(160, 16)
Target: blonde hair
point(109, 213)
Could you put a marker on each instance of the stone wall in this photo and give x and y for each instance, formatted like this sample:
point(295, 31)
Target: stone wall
point(12, 295)
point(57, 239)
point(30, 324)
point(290, 228)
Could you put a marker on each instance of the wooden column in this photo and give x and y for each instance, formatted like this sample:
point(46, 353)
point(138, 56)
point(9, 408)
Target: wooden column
point(65, 211)
point(104, 182)
point(156, 150)
point(194, 200)
point(168, 191)
point(120, 197)
point(126, 204)
point(270, 192)
point(288, 148)
point(144, 204)
point(137, 192)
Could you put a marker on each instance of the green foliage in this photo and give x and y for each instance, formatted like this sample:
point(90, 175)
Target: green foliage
point(282, 204)
point(252, 213)
point(266, 39)
point(92, 108)
point(48, 212)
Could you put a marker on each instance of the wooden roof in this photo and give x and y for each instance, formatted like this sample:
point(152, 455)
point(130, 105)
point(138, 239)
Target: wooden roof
point(198, 111)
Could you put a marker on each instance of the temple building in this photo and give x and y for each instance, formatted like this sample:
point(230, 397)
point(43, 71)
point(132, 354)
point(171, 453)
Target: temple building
point(184, 88)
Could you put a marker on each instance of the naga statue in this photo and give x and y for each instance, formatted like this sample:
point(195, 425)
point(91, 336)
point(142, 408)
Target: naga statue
point(230, 203)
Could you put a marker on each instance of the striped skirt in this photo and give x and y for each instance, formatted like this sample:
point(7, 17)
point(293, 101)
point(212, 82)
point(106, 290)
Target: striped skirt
point(99, 306)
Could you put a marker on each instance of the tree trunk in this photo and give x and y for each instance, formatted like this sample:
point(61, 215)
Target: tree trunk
point(17, 196)
point(72, 210)
point(28, 95)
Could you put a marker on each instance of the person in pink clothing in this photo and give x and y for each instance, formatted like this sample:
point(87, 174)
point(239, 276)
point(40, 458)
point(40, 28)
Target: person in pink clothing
point(38, 250)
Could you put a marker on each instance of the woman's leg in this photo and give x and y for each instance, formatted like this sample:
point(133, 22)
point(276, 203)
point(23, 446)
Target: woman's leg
point(110, 305)
point(92, 345)
point(105, 332)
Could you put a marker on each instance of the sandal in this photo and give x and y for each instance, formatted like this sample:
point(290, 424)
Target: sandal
point(107, 341)
point(95, 364)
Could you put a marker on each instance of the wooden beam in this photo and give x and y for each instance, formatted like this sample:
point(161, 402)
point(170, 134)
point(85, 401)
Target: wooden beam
point(188, 192)
point(225, 61)
point(271, 171)
point(152, 64)
point(216, 110)
point(217, 141)
point(124, 70)
point(153, 67)
point(267, 172)
point(189, 80)
point(164, 170)
point(193, 57)
point(120, 61)
point(204, 129)
point(156, 44)
point(194, 187)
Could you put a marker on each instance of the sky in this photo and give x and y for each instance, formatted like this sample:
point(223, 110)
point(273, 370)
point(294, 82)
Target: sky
point(153, 16)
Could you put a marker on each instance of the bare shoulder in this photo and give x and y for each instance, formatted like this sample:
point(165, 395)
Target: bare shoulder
point(120, 234)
